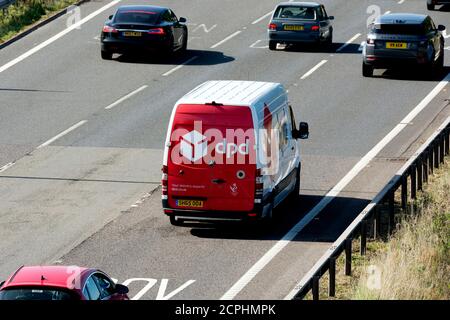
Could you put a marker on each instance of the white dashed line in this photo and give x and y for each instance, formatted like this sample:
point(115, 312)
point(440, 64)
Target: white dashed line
point(226, 39)
point(112, 105)
point(179, 66)
point(46, 143)
point(401, 1)
point(6, 166)
point(356, 36)
point(317, 66)
point(262, 18)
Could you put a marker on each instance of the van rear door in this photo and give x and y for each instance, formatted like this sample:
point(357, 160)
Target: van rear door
point(212, 159)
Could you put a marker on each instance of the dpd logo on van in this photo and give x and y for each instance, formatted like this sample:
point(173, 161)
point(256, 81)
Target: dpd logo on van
point(193, 145)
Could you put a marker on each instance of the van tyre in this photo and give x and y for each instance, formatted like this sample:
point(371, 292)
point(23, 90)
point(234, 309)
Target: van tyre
point(272, 45)
point(106, 55)
point(176, 222)
point(367, 70)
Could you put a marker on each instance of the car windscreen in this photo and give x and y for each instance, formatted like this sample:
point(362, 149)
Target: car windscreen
point(295, 12)
point(136, 16)
point(36, 293)
point(408, 29)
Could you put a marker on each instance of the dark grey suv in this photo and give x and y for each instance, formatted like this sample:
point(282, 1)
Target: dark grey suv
point(400, 39)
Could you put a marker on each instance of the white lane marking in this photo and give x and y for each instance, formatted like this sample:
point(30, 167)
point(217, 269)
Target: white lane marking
point(205, 29)
point(150, 283)
point(258, 47)
point(387, 12)
point(125, 97)
point(262, 18)
point(46, 143)
point(6, 166)
point(163, 286)
point(56, 37)
point(447, 48)
point(226, 39)
point(356, 36)
point(179, 66)
point(317, 66)
point(288, 237)
point(445, 35)
point(401, 1)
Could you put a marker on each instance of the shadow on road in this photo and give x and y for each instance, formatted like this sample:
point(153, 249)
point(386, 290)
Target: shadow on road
point(352, 48)
point(203, 58)
point(327, 226)
point(411, 74)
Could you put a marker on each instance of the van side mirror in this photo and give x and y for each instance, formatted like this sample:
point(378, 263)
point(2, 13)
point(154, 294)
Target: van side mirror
point(441, 27)
point(121, 289)
point(302, 132)
point(182, 20)
point(110, 17)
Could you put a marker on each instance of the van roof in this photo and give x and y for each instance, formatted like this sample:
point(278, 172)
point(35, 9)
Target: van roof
point(231, 92)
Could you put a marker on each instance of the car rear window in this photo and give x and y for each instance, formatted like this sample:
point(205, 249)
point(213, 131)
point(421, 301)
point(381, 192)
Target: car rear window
point(136, 16)
point(36, 293)
point(409, 29)
point(295, 12)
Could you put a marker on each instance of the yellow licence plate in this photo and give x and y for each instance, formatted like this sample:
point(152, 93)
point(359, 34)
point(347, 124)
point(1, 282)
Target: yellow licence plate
point(396, 45)
point(190, 203)
point(132, 34)
point(293, 28)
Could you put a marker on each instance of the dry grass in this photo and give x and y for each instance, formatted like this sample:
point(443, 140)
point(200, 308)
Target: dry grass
point(415, 262)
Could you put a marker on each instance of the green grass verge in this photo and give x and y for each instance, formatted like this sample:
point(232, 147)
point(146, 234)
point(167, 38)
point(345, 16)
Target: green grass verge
point(23, 13)
point(412, 264)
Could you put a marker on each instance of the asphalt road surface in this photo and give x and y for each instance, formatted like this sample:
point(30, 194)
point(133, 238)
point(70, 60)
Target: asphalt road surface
point(81, 146)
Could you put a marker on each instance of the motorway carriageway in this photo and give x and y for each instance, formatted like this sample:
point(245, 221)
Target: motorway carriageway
point(81, 147)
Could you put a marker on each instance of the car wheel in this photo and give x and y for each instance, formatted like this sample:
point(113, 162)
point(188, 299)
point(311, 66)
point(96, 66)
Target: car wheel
point(296, 191)
point(176, 222)
point(367, 70)
point(430, 6)
point(272, 45)
point(106, 55)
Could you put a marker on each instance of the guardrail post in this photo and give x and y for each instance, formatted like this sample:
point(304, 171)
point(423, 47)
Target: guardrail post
point(362, 249)
point(441, 147)
point(348, 257)
point(419, 173)
point(413, 181)
point(332, 277)
point(447, 140)
point(376, 222)
point(425, 166)
point(436, 154)
point(391, 210)
point(404, 191)
point(315, 287)
point(430, 160)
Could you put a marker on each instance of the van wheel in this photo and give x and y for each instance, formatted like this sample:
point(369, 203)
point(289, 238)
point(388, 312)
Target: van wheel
point(367, 70)
point(296, 191)
point(272, 45)
point(176, 222)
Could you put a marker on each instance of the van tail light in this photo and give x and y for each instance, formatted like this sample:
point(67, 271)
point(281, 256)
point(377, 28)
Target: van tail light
point(164, 180)
point(109, 29)
point(272, 26)
point(259, 186)
point(159, 31)
point(315, 28)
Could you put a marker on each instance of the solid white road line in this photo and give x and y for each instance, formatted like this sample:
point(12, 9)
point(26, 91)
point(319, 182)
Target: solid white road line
point(57, 36)
point(401, 1)
point(317, 66)
point(46, 143)
point(288, 237)
point(6, 166)
point(262, 18)
point(356, 36)
point(179, 66)
point(112, 105)
point(226, 39)
point(387, 12)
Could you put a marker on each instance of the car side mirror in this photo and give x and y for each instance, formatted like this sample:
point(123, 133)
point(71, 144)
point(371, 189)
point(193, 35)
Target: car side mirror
point(441, 27)
point(121, 289)
point(182, 19)
point(331, 17)
point(302, 132)
point(110, 17)
point(2, 283)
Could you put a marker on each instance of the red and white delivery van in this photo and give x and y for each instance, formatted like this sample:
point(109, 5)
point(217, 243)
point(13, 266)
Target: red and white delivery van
point(231, 152)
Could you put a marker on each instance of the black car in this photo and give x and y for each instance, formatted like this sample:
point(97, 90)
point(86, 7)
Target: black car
point(432, 3)
point(300, 22)
point(403, 39)
point(141, 29)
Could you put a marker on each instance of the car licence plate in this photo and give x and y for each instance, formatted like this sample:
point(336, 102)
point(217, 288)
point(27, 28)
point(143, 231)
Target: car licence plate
point(132, 34)
point(396, 45)
point(293, 28)
point(190, 203)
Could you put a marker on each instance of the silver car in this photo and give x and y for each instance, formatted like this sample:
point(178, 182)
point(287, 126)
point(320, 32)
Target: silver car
point(403, 39)
point(300, 22)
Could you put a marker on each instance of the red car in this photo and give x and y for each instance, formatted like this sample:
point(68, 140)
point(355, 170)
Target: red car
point(61, 283)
